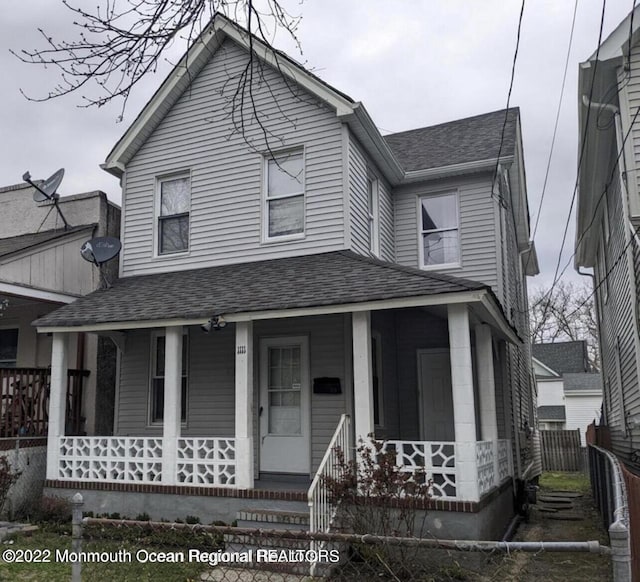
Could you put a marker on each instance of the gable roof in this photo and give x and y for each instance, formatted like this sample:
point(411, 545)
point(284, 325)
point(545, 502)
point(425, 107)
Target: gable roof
point(553, 413)
point(24, 242)
point(326, 279)
point(542, 371)
point(461, 141)
point(563, 357)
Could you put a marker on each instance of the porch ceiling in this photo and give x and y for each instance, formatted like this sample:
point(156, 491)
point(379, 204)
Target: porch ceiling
point(327, 282)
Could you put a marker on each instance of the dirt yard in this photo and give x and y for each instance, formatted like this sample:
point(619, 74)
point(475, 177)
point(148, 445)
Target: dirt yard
point(579, 523)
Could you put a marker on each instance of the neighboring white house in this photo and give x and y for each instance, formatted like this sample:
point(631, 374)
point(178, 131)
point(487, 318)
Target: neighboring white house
point(608, 220)
point(276, 279)
point(569, 396)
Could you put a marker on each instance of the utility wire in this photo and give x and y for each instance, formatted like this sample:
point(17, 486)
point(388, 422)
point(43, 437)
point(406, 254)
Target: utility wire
point(506, 113)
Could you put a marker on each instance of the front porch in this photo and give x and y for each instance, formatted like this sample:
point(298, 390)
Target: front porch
point(366, 379)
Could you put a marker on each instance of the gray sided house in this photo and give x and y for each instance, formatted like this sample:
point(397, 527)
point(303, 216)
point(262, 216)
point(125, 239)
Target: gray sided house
point(40, 270)
point(276, 297)
point(608, 220)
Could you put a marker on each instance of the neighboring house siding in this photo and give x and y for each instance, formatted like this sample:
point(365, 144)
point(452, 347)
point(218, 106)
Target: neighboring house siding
point(581, 411)
point(198, 136)
point(550, 393)
point(619, 366)
point(56, 267)
point(478, 242)
point(359, 166)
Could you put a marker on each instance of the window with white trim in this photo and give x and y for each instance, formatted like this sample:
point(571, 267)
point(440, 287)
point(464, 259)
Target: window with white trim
point(8, 347)
point(156, 396)
point(174, 201)
point(373, 209)
point(439, 231)
point(283, 211)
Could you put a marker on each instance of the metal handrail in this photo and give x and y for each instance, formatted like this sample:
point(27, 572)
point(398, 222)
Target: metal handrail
point(321, 510)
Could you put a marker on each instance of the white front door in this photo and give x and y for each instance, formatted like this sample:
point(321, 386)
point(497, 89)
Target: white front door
point(436, 399)
point(285, 426)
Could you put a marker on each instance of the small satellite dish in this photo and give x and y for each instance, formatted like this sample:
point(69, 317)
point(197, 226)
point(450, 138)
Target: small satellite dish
point(101, 249)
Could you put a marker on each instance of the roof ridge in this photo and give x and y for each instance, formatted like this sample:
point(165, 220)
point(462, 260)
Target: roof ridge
point(514, 109)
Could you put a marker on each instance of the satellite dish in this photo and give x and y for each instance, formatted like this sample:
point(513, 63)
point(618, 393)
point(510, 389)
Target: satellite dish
point(46, 190)
point(101, 249)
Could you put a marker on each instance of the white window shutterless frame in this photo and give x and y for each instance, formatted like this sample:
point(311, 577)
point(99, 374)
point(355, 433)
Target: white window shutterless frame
point(439, 231)
point(285, 394)
point(284, 196)
point(172, 209)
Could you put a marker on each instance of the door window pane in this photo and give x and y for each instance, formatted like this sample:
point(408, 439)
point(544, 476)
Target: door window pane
point(285, 416)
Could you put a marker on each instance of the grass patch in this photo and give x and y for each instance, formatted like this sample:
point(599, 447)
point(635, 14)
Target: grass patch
point(565, 482)
point(96, 572)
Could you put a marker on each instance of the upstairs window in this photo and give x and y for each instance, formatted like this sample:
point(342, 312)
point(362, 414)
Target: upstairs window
point(8, 348)
point(284, 196)
point(374, 215)
point(439, 231)
point(157, 378)
point(173, 216)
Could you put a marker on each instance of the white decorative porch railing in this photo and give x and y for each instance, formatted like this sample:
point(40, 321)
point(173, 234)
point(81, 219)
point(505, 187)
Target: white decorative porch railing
point(436, 459)
point(200, 461)
point(458, 471)
point(207, 461)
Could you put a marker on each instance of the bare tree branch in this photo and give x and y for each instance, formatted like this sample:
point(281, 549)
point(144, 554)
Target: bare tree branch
point(566, 314)
point(120, 42)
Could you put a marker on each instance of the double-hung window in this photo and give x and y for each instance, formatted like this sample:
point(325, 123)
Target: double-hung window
point(156, 412)
point(284, 195)
point(8, 347)
point(174, 200)
point(439, 231)
point(374, 215)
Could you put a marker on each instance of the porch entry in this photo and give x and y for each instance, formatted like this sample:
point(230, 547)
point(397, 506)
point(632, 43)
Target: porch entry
point(435, 397)
point(285, 424)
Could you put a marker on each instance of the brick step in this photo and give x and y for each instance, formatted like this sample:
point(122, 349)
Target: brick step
point(273, 519)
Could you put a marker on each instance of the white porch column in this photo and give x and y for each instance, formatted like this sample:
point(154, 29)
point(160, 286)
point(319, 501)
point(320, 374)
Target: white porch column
point(362, 377)
point(172, 403)
point(57, 400)
point(244, 404)
point(486, 383)
point(463, 401)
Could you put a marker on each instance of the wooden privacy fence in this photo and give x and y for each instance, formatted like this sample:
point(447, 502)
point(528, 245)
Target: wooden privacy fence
point(561, 450)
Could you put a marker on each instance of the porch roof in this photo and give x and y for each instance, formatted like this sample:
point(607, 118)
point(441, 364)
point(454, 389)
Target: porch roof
point(323, 280)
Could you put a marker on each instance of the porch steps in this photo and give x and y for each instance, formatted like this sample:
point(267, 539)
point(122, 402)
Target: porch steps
point(270, 519)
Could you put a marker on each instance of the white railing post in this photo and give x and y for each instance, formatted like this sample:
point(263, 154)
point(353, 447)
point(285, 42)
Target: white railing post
point(57, 402)
point(172, 404)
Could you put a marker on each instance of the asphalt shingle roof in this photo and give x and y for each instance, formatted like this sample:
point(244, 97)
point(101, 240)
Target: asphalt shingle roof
point(456, 142)
point(580, 382)
point(340, 277)
point(563, 357)
point(551, 413)
point(22, 242)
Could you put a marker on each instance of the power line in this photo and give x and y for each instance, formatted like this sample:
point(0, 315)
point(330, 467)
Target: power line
point(580, 160)
point(506, 113)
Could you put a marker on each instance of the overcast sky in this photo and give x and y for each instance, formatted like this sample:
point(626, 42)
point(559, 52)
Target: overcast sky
point(422, 63)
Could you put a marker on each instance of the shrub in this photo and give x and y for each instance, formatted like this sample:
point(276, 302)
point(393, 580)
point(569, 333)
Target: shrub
point(53, 510)
point(7, 478)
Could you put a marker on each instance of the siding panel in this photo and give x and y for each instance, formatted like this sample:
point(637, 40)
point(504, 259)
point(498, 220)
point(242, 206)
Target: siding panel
point(198, 136)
